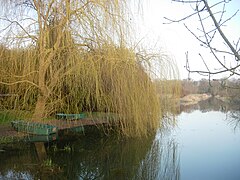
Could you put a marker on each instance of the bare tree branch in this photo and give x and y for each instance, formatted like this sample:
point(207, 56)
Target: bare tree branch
point(221, 32)
point(206, 37)
point(18, 24)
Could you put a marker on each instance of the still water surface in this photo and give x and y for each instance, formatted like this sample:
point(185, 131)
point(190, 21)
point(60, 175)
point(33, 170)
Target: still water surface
point(209, 146)
point(204, 144)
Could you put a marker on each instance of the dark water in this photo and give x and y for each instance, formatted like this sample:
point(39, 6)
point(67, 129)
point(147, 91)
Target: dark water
point(203, 144)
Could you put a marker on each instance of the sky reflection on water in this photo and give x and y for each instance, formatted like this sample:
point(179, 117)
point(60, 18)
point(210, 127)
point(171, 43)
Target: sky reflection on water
point(208, 146)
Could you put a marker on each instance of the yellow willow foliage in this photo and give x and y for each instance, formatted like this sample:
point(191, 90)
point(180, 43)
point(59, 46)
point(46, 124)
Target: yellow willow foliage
point(75, 59)
point(111, 80)
point(18, 77)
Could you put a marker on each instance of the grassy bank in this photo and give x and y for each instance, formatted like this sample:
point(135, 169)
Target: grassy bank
point(6, 116)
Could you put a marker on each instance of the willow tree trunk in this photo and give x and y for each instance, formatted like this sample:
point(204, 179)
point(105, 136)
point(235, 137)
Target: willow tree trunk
point(43, 95)
point(39, 111)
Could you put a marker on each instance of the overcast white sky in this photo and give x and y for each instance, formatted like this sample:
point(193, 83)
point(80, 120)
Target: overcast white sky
point(175, 39)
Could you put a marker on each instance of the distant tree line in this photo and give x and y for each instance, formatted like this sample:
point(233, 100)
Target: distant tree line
point(223, 88)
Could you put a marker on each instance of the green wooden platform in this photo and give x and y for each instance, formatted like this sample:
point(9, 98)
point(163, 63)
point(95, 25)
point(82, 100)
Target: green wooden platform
point(41, 138)
point(72, 122)
point(34, 128)
point(70, 116)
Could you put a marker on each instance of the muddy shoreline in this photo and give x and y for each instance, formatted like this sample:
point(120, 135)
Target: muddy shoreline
point(192, 99)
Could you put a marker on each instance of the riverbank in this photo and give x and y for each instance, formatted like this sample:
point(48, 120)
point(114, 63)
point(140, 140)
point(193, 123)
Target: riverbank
point(8, 134)
point(192, 99)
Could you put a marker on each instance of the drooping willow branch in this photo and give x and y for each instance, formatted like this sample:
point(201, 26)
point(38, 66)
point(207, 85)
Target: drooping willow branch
point(19, 82)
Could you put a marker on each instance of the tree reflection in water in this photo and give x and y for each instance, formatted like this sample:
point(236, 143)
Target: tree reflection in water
point(233, 118)
point(162, 161)
point(93, 157)
point(41, 151)
point(212, 104)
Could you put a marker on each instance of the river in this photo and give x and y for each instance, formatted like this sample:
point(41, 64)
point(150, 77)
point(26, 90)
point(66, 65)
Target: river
point(203, 142)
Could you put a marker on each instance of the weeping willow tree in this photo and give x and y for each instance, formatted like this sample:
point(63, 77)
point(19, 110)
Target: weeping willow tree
point(72, 56)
